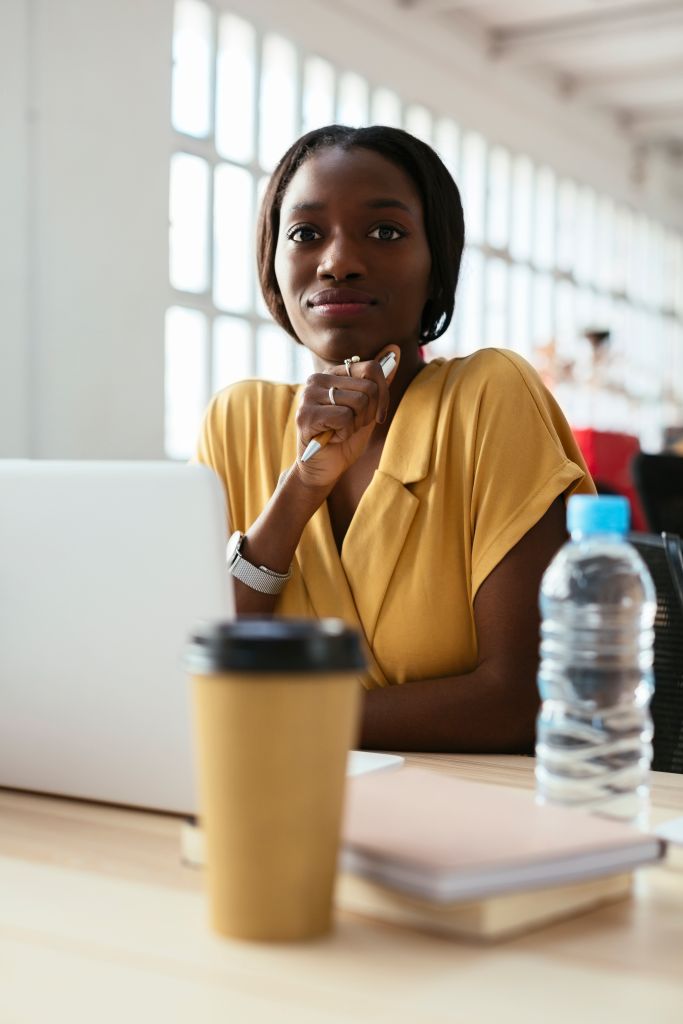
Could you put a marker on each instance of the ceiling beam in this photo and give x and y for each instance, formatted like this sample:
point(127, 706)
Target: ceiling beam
point(623, 19)
point(633, 73)
point(671, 113)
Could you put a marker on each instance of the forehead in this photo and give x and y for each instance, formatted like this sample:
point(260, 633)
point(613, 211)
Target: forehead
point(354, 175)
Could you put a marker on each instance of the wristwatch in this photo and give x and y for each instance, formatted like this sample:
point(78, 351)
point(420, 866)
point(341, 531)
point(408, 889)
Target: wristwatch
point(258, 578)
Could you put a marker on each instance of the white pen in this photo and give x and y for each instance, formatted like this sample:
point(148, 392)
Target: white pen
point(387, 363)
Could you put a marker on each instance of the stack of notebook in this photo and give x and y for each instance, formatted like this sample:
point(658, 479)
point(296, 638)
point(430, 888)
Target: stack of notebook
point(441, 854)
point(463, 858)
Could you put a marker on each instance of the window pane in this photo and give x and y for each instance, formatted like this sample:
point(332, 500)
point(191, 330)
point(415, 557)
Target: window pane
point(544, 220)
point(419, 122)
point(274, 355)
point(233, 239)
point(185, 383)
point(542, 325)
point(498, 198)
point(620, 343)
point(232, 351)
point(604, 244)
point(622, 242)
point(677, 376)
point(386, 108)
point(566, 226)
point(496, 321)
point(277, 104)
point(669, 271)
point(352, 101)
point(522, 208)
point(565, 319)
point(447, 145)
point(635, 258)
point(678, 276)
point(192, 58)
point(655, 266)
point(471, 333)
point(318, 96)
point(189, 223)
point(235, 89)
point(585, 310)
point(585, 239)
point(520, 310)
point(474, 185)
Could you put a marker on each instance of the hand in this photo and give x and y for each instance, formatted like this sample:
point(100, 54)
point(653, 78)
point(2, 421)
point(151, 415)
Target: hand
point(360, 402)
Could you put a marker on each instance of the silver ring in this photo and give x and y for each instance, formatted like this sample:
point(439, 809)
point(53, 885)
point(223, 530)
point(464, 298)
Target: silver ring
point(347, 364)
point(331, 394)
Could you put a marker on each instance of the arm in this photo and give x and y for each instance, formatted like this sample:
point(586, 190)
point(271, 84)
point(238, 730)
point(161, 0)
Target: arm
point(362, 401)
point(492, 708)
point(273, 538)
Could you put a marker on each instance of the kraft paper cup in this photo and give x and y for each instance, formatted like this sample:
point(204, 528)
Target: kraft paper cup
point(276, 710)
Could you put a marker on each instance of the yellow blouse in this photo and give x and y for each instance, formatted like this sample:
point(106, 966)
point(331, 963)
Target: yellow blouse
point(477, 451)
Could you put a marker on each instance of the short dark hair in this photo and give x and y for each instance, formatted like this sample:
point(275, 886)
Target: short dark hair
point(441, 204)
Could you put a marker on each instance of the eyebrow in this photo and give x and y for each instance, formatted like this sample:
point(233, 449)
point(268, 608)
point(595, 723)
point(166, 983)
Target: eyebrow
point(381, 203)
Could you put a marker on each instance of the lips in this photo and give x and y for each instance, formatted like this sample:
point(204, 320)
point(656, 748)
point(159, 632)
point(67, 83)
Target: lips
point(341, 297)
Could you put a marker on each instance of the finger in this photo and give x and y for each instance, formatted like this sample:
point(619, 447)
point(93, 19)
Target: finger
point(359, 393)
point(358, 399)
point(315, 421)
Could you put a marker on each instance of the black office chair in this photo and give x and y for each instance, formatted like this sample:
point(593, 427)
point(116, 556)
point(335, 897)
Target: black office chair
point(663, 555)
point(659, 482)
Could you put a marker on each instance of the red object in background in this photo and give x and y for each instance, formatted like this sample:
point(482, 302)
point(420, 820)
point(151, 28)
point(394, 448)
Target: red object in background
point(608, 457)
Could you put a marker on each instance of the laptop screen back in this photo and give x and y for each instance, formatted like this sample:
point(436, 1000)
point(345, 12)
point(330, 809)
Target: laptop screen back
point(104, 569)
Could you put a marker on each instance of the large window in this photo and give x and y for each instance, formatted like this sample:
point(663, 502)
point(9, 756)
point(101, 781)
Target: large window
point(546, 257)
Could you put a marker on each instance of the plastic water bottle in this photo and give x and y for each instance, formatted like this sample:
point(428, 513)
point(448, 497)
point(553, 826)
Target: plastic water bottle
point(594, 730)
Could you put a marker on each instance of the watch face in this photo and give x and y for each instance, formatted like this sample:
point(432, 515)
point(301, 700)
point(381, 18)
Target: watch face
point(233, 547)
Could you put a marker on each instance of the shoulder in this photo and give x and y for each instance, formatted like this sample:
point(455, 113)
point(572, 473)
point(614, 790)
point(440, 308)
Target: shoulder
point(490, 368)
point(498, 379)
point(249, 399)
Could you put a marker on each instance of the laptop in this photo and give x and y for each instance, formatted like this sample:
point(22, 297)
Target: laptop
point(104, 569)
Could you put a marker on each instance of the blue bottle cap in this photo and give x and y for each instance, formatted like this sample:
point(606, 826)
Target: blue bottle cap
point(601, 513)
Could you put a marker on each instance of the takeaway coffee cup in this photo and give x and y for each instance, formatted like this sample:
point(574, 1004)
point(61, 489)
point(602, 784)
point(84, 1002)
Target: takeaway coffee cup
point(276, 709)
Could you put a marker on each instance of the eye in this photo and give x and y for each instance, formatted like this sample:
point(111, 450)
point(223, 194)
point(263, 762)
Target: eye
point(302, 233)
point(387, 233)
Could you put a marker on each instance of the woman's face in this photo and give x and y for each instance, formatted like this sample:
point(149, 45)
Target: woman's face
point(352, 260)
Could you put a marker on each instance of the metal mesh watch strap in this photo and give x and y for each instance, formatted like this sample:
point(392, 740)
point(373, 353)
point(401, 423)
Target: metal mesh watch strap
point(265, 580)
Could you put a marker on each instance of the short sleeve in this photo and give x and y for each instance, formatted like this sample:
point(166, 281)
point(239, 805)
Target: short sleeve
point(241, 439)
point(525, 456)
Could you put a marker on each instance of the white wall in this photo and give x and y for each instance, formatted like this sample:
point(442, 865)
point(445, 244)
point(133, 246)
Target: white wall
point(84, 276)
point(84, 121)
point(14, 205)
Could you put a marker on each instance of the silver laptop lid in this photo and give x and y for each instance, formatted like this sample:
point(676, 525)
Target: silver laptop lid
point(104, 568)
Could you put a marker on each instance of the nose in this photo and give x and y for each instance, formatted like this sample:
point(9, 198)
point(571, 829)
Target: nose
point(341, 260)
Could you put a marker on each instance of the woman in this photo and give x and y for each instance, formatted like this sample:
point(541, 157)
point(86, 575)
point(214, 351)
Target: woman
point(428, 518)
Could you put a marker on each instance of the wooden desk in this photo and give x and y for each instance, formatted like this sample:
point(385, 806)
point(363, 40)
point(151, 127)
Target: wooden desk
point(99, 922)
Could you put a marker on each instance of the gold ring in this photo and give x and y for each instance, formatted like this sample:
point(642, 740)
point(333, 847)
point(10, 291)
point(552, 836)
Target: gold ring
point(331, 394)
point(347, 364)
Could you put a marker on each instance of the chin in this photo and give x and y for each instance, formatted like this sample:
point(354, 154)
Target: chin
point(335, 344)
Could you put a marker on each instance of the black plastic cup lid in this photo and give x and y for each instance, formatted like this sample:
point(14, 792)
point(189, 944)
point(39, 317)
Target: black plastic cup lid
point(257, 644)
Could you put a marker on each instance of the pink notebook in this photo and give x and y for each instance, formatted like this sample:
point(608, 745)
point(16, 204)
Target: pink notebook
point(446, 840)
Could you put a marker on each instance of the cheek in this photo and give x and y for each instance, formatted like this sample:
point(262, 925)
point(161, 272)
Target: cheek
point(286, 277)
point(280, 271)
point(418, 280)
